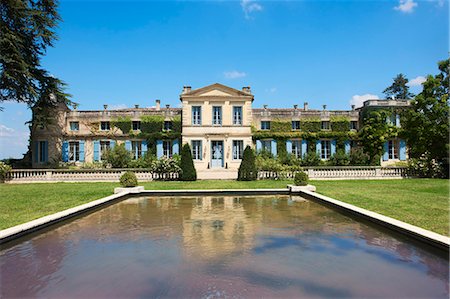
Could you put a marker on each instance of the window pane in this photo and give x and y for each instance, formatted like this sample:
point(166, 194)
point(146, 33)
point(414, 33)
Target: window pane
point(196, 115)
point(217, 115)
point(136, 125)
point(238, 146)
point(237, 115)
point(74, 126)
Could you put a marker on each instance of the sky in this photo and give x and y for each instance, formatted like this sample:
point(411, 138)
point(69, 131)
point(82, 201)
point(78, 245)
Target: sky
point(336, 53)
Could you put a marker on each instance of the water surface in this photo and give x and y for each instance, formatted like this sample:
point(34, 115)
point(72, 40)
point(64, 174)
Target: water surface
point(219, 247)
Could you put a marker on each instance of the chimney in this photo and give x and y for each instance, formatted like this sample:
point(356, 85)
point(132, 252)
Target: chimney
point(246, 89)
point(305, 106)
point(186, 89)
point(158, 105)
point(295, 107)
point(136, 106)
point(105, 106)
point(353, 107)
point(324, 107)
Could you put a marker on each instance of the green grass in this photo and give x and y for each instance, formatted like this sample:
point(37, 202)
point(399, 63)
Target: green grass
point(421, 202)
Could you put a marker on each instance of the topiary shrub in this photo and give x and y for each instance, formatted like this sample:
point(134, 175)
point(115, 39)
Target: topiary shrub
point(247, 170)
point(188, 172)
point(128, 179)
point(301, 178)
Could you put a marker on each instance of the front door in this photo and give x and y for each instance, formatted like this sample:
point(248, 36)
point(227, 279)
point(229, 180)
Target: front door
point(216, 154)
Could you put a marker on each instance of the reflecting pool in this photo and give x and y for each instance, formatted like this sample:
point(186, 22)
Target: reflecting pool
point(219, 247)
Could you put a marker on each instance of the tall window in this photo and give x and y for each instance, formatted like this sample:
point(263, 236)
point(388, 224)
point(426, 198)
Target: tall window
point(104, 146)
point(136, 149)
point(167, 148)
point(196, 115)
point(266, 145)
point(238, 149)
point(105, 126)
point(326, 149)
point(353, 125)
point(325, 125)
point(42, 150)
point(295, 125)
point(296, 148)
point(196, 149)
point(390, 120)
point(237, 115)
point(74, 151)
point(74, 126)
point(136, 125)
point(217, 115)
point(393, 149)
point(167, 125)
point(265, 125)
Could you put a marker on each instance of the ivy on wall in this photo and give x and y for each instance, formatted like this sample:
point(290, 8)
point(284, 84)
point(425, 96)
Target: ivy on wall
point(304, 135)
point(310, 125)
point(340, 123)
point(123, 123)
point(278, 125)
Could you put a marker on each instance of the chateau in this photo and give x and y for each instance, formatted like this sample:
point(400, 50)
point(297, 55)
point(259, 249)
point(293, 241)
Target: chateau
point(217, 121)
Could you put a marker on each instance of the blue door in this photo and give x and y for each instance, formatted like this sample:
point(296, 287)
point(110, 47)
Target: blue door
point(216, 154)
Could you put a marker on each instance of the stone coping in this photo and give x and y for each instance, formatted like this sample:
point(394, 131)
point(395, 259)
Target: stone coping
point(423, 235)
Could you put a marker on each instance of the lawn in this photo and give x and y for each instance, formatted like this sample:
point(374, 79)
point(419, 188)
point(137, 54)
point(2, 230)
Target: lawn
point(421, 202)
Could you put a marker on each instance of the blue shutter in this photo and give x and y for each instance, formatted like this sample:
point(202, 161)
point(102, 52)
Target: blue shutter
point(304, 147)
point(402, 150)
point(347, 146)
point(45, 151)
point(36, 152)
point(112, 143)
point(175, 147)
point(289, 146)
point(273, 147)
point(65, 151)
point(258, 146)
point(82, 151)
point(386, 151)
point(159, 149)
point(397, 120)
point(144, 148)
point(318, 147)
point(333, 147)
point(128, 145)
point(96, 150)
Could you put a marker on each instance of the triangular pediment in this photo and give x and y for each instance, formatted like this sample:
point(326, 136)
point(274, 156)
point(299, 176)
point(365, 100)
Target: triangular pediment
point(216, 89)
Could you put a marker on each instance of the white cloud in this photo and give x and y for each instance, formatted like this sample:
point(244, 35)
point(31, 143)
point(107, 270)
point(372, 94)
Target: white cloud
point(417, 81)
point(358, 100)
point(117, 106)
point(250, 6)
point(406, 6)
point(271, 90)
point(234, 74)
point(6, 131)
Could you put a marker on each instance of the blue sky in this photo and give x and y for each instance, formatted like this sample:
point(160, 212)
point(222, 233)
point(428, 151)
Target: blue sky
point(289, 52)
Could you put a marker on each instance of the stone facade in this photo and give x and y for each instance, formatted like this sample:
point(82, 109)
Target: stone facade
point(217, 121)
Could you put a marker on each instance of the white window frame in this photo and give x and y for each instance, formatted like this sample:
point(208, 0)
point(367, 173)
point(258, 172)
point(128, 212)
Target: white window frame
point(197, 149)
point(295, 127)
point(266, 128)
point(297, 148)
point(77, 123)
point(196, 115)
point(325, 149)
point(136, 149)
point(325, 125)
point(266, 145)
point(217, 115)
point(136, 125)
point(104, 146)
point(107, 125)
point(74, 151)
point(238, 149)
point(167, 148)
point(237, 115)
point(393, 149)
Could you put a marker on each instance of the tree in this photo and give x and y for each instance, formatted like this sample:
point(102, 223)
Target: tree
point(247, 170)
point(188, 172)
point(118, 156)
point(27, 29)
point(399, 88)
point(426, 123)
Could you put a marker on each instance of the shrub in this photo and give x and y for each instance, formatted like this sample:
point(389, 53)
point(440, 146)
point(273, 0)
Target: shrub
point(188, 172)
point(92, 165)
point(143, 162)
point(426, 167)
point(4, 169)
point(165, 165)
point(358, 157)
point(128, 179)
point(247, 170)
point(311, 159)
point(301, 178)
point(340, 158)
point(118, 157)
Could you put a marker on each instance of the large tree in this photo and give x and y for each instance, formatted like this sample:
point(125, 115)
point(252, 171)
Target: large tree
point(399, 88)
point(27, 29)
point(426, 124)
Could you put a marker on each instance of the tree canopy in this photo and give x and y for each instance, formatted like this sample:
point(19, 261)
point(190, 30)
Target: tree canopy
point(399, 88)
point(27, 29)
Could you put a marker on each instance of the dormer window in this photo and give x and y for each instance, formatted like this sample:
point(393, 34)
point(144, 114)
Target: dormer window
point(265, 125)
point(325, 125)
point(295, 125)
point(136, 125)
point(105, 126)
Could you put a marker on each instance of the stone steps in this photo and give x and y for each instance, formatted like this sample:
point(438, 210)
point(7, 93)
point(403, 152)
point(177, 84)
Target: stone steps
point(217, 174)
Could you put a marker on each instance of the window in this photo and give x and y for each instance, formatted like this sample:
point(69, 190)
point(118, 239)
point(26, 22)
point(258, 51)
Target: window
point(136, 149)
point(237, 115)
point(42, 151)
point(74, 151)
point(265, 125)
point(238, 149)
point(390, 120)
point(74, 126)
point(353, 125)
point(196, 115)
point(105, 126)
point(167, 148)
point(295, 125)
point(296, 148)
point(326, 149)
point(167, 125)
point(266, 145)
point(104, 146)
point(196, 149)
point(136, 125)
point(217, 115)
point(325, 125)
point(393, 149)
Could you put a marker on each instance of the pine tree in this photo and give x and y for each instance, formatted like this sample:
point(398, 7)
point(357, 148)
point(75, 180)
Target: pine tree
point(247, 170)
point(399, 89)
point(188, 172)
